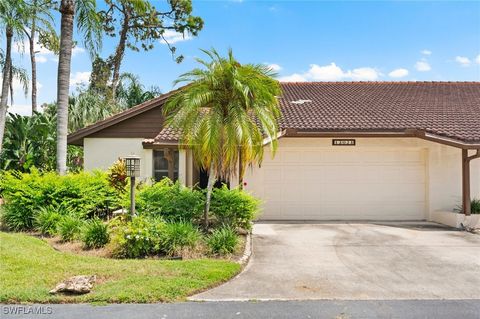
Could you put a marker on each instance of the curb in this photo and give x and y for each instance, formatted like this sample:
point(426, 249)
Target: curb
point(247, 253)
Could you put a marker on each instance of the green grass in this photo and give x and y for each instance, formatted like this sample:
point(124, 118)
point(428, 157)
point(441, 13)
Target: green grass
point(29, 268)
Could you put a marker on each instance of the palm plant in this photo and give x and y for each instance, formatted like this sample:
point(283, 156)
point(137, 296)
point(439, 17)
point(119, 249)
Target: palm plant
point(13, 15)
point(88, 23)
point(225, 114)
point(130, 91)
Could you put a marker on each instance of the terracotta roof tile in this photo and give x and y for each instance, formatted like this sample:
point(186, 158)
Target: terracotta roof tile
point(449, 109)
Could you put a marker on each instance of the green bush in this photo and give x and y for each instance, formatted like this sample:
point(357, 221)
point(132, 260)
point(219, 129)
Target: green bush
point(177, 237)
point(233, 207)
point(70, 227)
point(475, 206)
point(95, 234)
point(85, 194)
point(222, 241)
point(46, 221)
point(171, 201)
point(137, 238)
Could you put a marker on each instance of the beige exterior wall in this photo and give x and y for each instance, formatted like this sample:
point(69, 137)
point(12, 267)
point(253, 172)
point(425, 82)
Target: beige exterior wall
point(101, 153)
point(442, 163)
point(443, 172)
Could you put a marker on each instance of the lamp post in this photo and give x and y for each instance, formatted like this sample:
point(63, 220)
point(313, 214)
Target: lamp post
point(132, 164)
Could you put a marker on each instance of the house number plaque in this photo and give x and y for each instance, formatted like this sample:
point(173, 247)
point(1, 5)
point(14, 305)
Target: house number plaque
point(343, 142)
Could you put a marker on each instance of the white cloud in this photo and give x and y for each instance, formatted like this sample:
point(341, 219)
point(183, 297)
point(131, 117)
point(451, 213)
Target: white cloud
point(21, 109)
point(275, 67)
point(173, 37)
point(477, 59)
point(426, 52)
point(463, 60)
point(293, 78)
point(423, 66)
point(333, 72)
point(77, 50)
point(41, 58)
point(398, 73)
point(79, 78)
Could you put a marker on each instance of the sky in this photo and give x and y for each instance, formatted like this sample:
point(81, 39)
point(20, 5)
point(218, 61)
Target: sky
point(301, 41)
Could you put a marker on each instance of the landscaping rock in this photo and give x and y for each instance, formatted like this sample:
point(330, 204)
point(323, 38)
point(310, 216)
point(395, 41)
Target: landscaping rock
point(75, 285)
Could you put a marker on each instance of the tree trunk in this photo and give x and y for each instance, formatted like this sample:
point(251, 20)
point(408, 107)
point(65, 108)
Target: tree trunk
point(119, 53)
point(210, 184)
point(7, 69)
point(67, 9)
point(241, 169)
point(33, 62)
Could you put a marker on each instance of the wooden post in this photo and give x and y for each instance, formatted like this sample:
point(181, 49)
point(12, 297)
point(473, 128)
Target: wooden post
point(466, 199)
point(132, 196)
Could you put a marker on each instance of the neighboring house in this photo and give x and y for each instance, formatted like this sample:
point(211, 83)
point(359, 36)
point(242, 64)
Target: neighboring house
point(347, 150)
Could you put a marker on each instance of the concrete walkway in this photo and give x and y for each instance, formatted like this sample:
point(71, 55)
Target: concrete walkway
point(356, 261)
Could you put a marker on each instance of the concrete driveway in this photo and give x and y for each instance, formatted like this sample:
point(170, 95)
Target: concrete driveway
point(352, 261)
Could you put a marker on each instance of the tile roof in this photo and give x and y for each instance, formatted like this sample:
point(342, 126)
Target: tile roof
point(445, 109)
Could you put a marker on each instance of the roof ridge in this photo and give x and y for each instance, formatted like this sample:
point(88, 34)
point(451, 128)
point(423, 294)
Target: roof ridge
point(381, 82)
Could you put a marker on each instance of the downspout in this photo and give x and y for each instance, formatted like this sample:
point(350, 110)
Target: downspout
point(466, 199)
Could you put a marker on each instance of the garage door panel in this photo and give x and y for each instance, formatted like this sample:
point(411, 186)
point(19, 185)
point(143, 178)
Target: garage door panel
point(354, 184)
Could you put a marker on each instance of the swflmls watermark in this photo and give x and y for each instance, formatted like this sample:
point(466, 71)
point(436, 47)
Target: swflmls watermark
point(27, 310)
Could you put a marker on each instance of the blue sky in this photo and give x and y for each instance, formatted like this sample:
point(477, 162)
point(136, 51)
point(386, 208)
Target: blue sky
point(307, 41)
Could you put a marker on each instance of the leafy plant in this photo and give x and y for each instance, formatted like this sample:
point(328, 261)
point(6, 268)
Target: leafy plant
point(70, 228)
point(95, 234)
point(47, 220)
point(117, 175)
point(234, 207)
point(475, 204)
point(222, 241)
point(83, 194)
point(137, 238)
point(171, 201)
point(178, 236)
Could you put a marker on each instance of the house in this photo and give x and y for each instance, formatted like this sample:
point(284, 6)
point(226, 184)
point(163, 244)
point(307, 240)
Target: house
point(347, 150)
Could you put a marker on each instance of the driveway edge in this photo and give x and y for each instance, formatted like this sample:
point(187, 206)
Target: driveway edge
point(247, 252)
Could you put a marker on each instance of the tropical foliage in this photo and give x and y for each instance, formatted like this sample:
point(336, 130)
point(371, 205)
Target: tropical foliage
point(225, 114)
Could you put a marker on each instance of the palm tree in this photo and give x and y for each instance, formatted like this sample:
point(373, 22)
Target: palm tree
point(13, 14)
point(225, 114)
point(130, 91)
point(88, 23)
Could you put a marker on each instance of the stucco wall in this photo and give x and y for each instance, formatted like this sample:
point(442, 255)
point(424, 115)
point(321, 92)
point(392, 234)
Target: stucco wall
point(101, 153)
point(442, 166)
point(443, 163)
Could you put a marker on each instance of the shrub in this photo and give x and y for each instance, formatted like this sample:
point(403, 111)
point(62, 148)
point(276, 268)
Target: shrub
point(234, 207)
point(171, 201)
point(137, 238)
point(85, 194)
point(70, 227)
point(177, 237)
point(47, 220)
point(475, 206)
point(117, 175)
point(95, 234)
point(222, 241)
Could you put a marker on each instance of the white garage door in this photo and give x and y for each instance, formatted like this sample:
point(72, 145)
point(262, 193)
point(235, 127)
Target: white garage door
point(341, 184)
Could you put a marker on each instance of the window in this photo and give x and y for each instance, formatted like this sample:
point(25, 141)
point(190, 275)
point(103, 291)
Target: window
point(165, 164)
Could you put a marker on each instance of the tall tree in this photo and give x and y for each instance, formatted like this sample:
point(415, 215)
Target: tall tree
point(39, 27)
point(88, 23)
point(13, 15)
point(225, 109)
point(131, 92)
point(139, 25)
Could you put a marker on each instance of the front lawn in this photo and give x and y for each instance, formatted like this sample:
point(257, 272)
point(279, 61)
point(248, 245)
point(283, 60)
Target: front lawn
point(29, 268)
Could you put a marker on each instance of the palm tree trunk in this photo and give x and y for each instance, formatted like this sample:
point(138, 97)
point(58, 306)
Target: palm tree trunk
point(67, 9)
point(119, 53)
point(241, 169)
point(7, 69)
point(210, 184)
point(31, 39)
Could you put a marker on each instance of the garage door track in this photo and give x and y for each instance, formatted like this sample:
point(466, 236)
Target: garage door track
point(352, 261)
